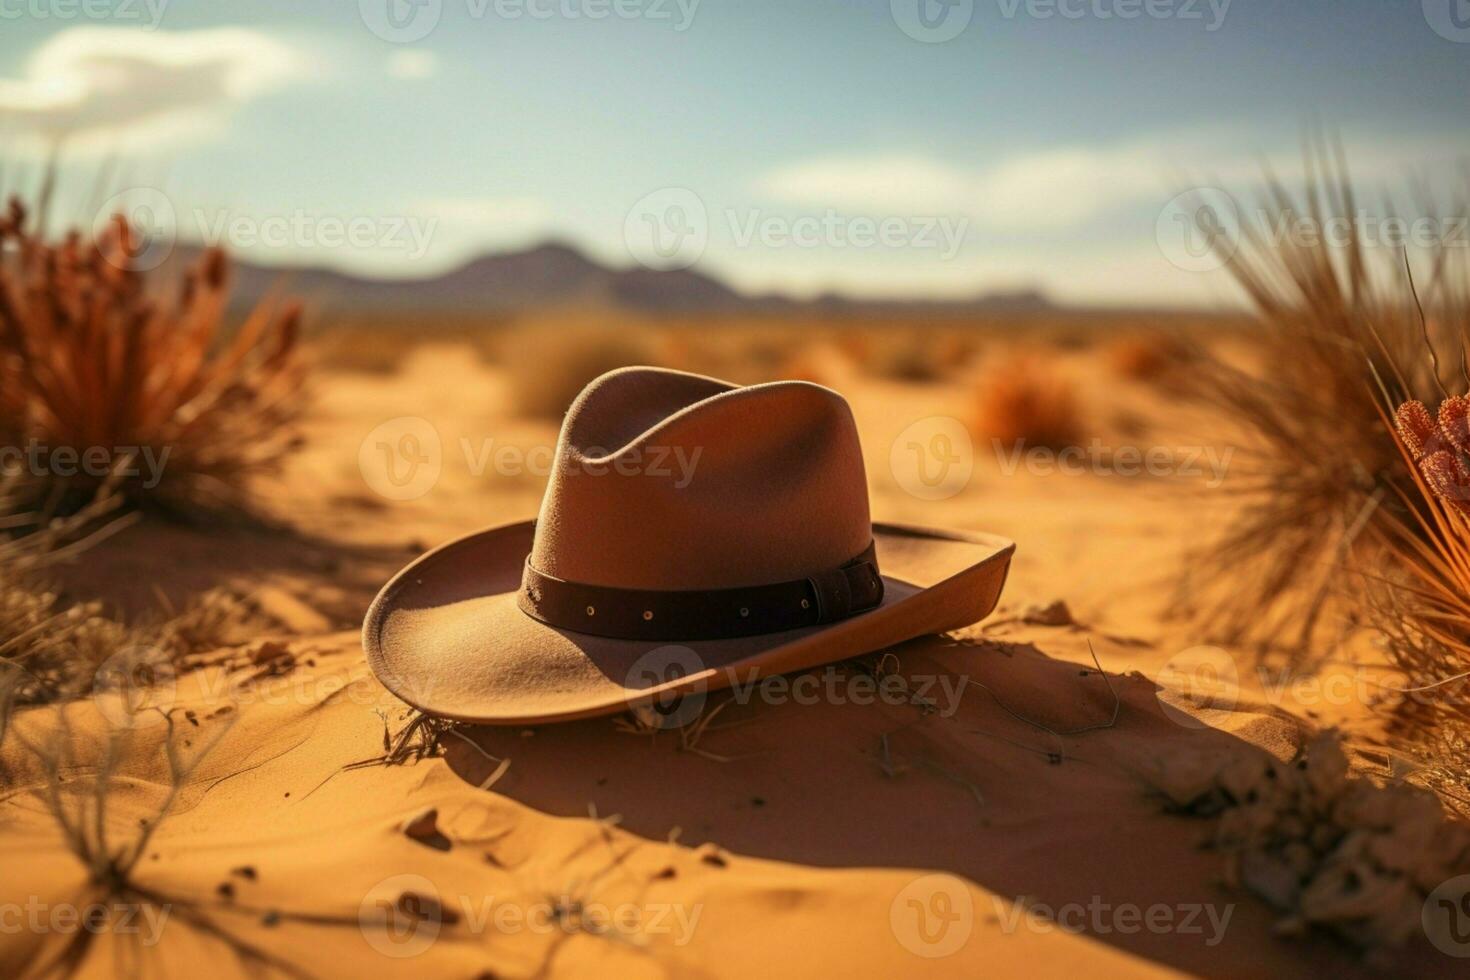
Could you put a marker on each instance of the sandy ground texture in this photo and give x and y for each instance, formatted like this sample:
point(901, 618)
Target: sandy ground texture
point(994, 817)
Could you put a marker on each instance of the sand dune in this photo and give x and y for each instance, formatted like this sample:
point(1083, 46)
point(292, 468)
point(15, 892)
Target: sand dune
point(975, 829)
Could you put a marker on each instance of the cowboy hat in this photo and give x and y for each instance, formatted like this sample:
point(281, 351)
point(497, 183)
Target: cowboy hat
point(694, 534)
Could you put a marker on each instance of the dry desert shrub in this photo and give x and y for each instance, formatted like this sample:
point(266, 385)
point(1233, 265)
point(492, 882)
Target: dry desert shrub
point(48, 646)
point(813, 364)
point(51, 647)
point(93, 361)
point(365, 351)
point(1317, 470)
point(913, 355)
point(380, 344)
point(740, 352)
point(822, 361)
point(1020, 402)
point(548, 365)
point(1150, 357)
point(34, 538)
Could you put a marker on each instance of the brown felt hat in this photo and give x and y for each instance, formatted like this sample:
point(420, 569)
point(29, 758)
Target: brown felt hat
point(694, 534)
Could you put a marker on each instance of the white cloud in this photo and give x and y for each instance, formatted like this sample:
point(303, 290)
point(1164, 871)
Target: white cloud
point(498, 215)
point(413, 63)
point(1049, 189)
point(893, 183)
point(127, 86)
point(1063, 187)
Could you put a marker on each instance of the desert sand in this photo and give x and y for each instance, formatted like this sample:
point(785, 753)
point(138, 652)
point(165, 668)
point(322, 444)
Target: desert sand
point(1003, 824)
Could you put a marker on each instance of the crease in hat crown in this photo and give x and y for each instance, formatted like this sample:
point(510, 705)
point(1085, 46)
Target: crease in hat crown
point(776, 488)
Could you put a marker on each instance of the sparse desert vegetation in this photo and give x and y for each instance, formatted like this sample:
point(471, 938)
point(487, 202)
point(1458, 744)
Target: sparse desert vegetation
point(1068, 574)
point(113, 377)
point(1055, 383)
point(119, 396)
point(1338, 327)
point(1023, 401)
point(1035, 390)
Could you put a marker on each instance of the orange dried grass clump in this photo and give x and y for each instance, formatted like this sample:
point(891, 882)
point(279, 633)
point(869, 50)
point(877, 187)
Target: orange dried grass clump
point(1146, 356)
point(90, 358)
point(1021, 403)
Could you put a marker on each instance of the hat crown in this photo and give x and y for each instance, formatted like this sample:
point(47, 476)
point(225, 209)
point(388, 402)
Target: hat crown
point(672, 481)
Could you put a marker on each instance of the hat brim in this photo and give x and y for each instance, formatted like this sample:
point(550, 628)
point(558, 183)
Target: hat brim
point(446, 635)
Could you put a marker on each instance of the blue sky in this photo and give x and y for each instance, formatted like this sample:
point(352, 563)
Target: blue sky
point(1038, 146)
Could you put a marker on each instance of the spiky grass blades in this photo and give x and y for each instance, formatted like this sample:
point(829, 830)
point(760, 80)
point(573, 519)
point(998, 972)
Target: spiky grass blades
point(93, 360)
point(1339, 320)
point(1421, 603)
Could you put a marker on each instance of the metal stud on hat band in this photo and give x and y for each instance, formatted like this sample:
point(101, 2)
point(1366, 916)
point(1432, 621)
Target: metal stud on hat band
point(642, 614)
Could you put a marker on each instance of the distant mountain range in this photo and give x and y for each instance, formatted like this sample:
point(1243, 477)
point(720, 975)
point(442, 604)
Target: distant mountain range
point(557, 275)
